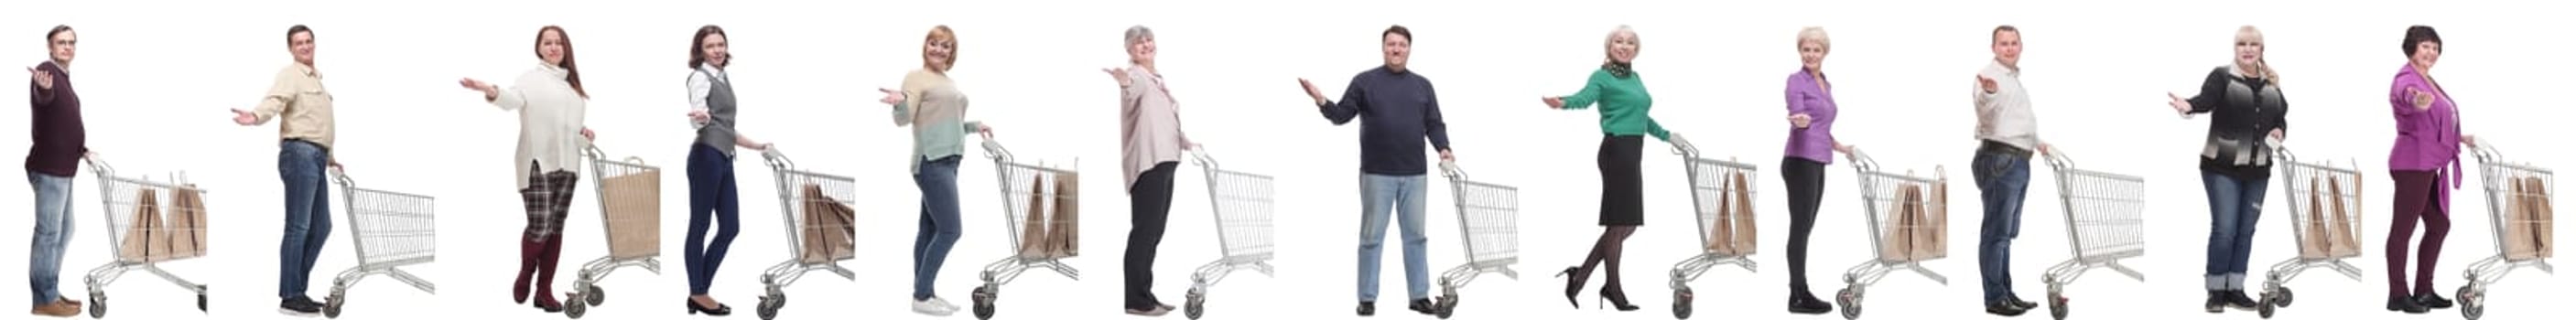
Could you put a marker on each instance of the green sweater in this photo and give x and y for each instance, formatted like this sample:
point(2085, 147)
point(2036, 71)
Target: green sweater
point(1624, 103)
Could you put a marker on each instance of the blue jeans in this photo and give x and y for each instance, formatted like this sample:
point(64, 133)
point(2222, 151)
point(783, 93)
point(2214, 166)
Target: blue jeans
point(713, 202)
point(300, 166)
point(53, 230)
point(2002, 182)
point(939, 222)
point(1403, 195)
point(2234, 205)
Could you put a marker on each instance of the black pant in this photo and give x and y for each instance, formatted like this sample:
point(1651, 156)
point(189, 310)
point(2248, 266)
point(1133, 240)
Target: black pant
point(1149, 202)
point(1806, 191)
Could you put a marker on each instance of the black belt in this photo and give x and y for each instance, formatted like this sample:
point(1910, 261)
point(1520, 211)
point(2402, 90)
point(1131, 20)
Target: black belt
point(1991, 146)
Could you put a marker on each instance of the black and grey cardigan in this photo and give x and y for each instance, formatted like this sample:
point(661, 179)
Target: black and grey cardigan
point(2243, 111)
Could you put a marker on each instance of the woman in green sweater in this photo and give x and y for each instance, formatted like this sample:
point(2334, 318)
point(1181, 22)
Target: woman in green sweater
point(1624, 123)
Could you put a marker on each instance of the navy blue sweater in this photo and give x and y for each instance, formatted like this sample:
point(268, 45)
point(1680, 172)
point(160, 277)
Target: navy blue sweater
point(1398, 110)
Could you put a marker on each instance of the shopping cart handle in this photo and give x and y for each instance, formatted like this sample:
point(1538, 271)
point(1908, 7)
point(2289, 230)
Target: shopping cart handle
point(342, 175)
point(1450, 167)
point(1682, 146)
point(776, 159)
point(100, 167)
point(2058, 158)
point(995, 150)
point(1200, 155)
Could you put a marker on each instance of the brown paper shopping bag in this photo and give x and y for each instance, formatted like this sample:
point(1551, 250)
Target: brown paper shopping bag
point(1064, 231)
point(634, 214)
point(2543, 220)
point(827, 230)
point(1931, 235)
point(146, 238)
point(1719, 228)
point(1895, 245)
point(2314, 243)
point(1033, 241)
point(187, 215)
point(2344, 241)
point(1746, 239)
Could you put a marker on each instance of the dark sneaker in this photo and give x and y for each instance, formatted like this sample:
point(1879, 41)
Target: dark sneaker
point(1420, 305)
point(2237, 299)
point(302, 307)
point(2217, 302)
point(2431, 301)
point(1368, 309)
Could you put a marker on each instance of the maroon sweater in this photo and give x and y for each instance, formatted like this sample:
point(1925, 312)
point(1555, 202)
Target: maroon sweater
point(60, 137)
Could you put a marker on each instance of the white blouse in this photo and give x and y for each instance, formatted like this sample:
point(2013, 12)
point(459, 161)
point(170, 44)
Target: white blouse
point(550, 121)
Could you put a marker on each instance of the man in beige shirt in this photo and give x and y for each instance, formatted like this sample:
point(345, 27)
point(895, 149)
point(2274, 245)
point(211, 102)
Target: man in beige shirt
point(304, 152)
point(2007, 131)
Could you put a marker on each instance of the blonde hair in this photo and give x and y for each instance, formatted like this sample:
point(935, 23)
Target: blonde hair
point(1613, 39)
point(940, 32)
point(2265, 67)
point(1816, 35)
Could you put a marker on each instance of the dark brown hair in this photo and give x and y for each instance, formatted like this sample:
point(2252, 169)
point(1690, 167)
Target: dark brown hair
point(1999, 32)
point(1397, 30)
point(291, 31)
point(58, 30)
point(2420, 34)
point(572, 73)
point(697, 54)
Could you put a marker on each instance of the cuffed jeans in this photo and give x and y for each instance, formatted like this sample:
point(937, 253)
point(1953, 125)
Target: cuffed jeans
point(939, 222)
point(53, 230)
point(2002, 182)
point(1402, 196)
point(301, 166)
point(2234, 205)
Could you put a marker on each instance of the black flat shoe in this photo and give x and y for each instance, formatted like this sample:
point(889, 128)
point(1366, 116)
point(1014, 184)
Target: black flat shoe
point(719, 310)
point(2432, 301)
point(2005, 308)
point(2407, 305)
point(2217, 302)
point(1808, 304)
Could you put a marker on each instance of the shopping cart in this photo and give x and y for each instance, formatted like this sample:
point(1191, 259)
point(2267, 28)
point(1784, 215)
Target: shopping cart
point(391, 230)
point(2500, 178)
point(1881, 192)
point(631, 216)
point(1713, 185)
point(1489, 220)
point(1242, 203)
point(2299, 180)
point(793, 202)
point(123, 196)
point(1020, 181)
point(2105, 222)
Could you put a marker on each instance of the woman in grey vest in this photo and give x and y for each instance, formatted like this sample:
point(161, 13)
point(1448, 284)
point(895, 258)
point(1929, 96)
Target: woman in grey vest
point(711, 178)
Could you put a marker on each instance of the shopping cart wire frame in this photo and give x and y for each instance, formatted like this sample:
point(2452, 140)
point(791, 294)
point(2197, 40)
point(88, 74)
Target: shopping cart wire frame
point(2497, 174)
point(789, 179)
point(2295, 173)
point(1709, 180)
point(1879, 186)
point(1003, 271)
point(118, 203)
point(1488, 217)
point(370, 228)
point(1242, 204)
point(603, 168)
point(2105, 219)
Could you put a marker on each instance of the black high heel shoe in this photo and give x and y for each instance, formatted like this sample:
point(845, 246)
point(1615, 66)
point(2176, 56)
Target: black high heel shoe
point(1616, 300)
point(719, 310)
point(1573, 286)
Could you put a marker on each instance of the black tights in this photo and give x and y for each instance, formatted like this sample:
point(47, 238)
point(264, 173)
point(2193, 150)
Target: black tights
point(1613, 240)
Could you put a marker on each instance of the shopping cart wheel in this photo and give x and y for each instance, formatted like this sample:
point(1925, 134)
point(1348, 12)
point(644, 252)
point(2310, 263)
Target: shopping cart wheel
point(331, 305)
point(2473, 302)
point(594, 295)
point(98, 304)
point(2057, 305)
point(2265, 307)
point(1444, 307)
point(984, 297)
point(2285, 297)
point(769, 305)
point(1195, 305)
point(1850, 302)
point(1682, 303)
point(575, 310)
point(201, 302)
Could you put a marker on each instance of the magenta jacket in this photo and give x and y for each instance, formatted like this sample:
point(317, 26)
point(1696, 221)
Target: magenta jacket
point(2429, 139)
point(1816, 142)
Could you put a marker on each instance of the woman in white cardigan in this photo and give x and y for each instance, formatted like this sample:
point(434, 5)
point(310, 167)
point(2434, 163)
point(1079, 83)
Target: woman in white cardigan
point(550, 102)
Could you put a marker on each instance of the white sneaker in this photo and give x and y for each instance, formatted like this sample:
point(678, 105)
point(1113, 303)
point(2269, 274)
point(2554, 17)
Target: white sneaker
point(934, 306)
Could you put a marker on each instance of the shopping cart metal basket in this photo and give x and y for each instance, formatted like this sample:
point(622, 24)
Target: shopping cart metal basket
point(2105, 222)
point(1020, 182)
point(1882, 195)
point(1489, 222)
point(2517, 201)
point(1716, 202)
point(124, 197)
point(390, 230)
point(802, 196)
point(1242, 203)
point(2315, 190)
point(630, 212)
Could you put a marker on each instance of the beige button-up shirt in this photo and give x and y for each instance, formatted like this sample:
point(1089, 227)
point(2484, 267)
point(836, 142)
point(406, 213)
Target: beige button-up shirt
point(1149, 123)
point(2005, 115)
point(299, 96)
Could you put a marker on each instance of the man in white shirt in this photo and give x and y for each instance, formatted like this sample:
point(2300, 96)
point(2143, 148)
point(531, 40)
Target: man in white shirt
point(2007, 131)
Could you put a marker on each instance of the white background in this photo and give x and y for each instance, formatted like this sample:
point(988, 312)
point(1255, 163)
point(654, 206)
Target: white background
point(157, 76)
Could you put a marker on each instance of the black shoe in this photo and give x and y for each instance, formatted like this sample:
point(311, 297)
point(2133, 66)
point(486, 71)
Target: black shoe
point(1421, 305)
point(719, 310)
point(2237, 299)
point(1803, 303)
point(304, 307)
point(2018, 302)
point(2431, 301)
point(2406, 304)
point(1616, 300)
point(2217, 302)
point(1573, 286)
point(1368, 309)
point(2005, 308)
point(556, 307)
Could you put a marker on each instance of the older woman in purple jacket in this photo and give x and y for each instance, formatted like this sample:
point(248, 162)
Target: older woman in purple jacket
point(1802, 164)
point(2426, 152)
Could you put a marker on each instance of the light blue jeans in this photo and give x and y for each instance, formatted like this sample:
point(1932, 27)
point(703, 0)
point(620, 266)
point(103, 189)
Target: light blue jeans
point(53, 230)
point(939, 223)
point(2234, 206)
point(1380, 194)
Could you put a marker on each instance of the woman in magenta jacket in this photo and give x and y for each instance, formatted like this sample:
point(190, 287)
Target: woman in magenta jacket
point(2425, 157)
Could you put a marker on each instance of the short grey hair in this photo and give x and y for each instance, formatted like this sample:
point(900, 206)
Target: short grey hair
point(1815, 35)
point(1138, 33)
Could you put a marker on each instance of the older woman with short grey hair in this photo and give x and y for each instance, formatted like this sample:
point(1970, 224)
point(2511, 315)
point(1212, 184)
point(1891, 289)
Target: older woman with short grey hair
point(1150, 124)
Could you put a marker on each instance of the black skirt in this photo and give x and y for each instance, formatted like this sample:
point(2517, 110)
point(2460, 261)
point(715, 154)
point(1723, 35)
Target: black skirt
point(1623, 188)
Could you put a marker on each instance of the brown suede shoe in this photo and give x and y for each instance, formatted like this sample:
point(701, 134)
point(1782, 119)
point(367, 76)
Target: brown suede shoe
point(59, 308)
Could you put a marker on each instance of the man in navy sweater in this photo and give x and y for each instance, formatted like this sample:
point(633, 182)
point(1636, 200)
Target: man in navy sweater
point(1398, 111)
point(51, 162)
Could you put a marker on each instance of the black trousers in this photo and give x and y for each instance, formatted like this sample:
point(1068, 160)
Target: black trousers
point(1149, 202)
point(1806, 180)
